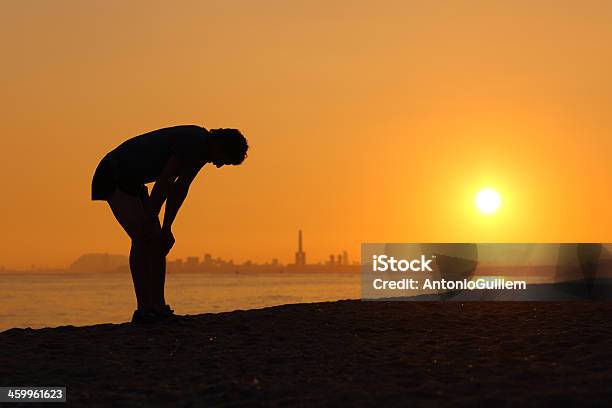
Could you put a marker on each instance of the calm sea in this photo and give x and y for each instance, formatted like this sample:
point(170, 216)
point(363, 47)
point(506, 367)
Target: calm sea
point(31, 300)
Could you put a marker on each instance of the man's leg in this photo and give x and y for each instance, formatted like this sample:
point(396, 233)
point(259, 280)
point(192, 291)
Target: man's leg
point(136, 220)
point(158, 270)
point(158, 264)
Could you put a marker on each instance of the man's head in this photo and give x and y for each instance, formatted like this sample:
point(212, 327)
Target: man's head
point(228, 146)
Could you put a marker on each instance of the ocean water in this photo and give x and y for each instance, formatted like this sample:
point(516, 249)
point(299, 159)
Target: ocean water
point(37, 300)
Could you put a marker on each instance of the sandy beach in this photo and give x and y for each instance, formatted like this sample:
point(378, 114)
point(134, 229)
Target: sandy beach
point(346, 353)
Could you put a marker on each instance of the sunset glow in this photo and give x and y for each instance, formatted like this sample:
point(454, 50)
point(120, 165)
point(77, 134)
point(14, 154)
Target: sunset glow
point(488, 201)
point(366, 122)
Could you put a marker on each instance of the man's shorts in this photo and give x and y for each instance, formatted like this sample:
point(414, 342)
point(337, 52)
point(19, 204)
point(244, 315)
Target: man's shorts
point(106, 179)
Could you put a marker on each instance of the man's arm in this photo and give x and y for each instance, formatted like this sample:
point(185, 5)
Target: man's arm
point(177, 191)
point(162, 186)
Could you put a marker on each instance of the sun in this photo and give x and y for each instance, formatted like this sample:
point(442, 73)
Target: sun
point(488, 201)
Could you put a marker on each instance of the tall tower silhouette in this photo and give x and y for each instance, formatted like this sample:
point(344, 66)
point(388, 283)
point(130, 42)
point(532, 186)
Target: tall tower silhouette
point(300, 255)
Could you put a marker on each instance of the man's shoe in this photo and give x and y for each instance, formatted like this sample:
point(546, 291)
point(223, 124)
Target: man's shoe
point(144, 317)
point(167, 315)
point(167, 311)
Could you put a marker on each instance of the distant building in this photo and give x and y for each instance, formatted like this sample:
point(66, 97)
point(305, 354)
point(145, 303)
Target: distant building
point(175, 266)
point(208, 260)
point(332, 260)
point(192, 261)
point(191, 264)
point(300, 255)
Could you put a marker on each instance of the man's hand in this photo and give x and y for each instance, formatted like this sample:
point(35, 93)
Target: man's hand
point(167, 240)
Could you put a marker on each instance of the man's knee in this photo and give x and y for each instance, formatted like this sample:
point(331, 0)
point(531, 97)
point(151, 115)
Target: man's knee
point(149, 236)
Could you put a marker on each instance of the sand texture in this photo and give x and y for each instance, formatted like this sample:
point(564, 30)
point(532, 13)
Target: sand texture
point(347, 353)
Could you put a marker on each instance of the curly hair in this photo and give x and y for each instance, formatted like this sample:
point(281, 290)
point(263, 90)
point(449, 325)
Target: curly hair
point(232, 143)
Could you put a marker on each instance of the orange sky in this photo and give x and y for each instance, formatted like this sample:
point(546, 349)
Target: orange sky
point(369, 121)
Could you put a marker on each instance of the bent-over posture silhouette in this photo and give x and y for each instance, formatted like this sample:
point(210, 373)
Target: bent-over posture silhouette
point(171, 158)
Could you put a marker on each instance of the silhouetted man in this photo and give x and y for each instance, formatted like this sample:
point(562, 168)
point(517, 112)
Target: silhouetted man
point(171, 158)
